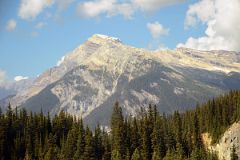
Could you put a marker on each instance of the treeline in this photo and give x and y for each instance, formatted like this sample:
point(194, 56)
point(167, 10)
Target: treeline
point(148, 136)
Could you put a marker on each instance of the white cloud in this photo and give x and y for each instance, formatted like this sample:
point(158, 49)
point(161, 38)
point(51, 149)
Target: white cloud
point(156, 29)
point(125, 9)
point(11, 25)
point(152, 5)
point(223, 25)
point(19, 78)
point(29, 9)
point(2, 77)
point(91, 9)
point(95, 8)
point(40, 25)
point(202, 11)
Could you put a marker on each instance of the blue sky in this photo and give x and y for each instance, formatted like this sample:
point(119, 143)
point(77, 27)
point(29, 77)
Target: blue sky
point(35, 34)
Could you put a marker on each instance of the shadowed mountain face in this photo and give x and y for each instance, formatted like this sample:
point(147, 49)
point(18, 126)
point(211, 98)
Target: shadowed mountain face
point(9, 89)
point(103, 70)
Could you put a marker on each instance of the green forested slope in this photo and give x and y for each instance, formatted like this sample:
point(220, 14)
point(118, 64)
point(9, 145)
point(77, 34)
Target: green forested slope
point(149, 136)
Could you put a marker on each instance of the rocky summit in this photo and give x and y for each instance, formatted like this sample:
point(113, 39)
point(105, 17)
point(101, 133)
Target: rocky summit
point(87, 81)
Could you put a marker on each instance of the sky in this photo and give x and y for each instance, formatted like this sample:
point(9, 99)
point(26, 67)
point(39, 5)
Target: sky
point(35, 34)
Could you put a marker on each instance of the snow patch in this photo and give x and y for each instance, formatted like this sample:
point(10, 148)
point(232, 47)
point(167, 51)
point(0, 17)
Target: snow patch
point(60, 61)
point(108, 37)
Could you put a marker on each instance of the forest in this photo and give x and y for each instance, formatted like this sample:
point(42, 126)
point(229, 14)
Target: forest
point(151, 135)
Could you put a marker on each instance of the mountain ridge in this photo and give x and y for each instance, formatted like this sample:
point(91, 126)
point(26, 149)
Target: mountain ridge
point(103, 70)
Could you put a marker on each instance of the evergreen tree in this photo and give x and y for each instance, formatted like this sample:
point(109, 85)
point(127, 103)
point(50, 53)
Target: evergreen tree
point(98, 143)
point(179, 152)
point(196, 154)
point(27, 156)
point(51, 152)
point(80, 142)
point(146, 140)
point(156, 156)
point(177, 127)
point(196, 132)
point(135, 137)
point(116, 155)
point(70, 146)
point(127, 156)
point(117, 130)
point(136, 155)
point(106, 147)
point(89, 146)
point(157, 136)
point(169, 156)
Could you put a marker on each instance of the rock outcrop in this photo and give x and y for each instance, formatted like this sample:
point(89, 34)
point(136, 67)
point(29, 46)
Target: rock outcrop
point(223, 148)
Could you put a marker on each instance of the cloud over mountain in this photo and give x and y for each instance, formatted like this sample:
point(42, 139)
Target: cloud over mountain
point(156, 29)
point(223, 26)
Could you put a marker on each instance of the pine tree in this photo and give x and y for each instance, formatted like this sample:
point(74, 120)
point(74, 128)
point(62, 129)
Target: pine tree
point(98, 143)
point(70, 146)
point(127, 156)
point(117, 130)
point(196, 154)
point(156, 156)
point(3, 139)
point(135, 137)
point(136, 155)
point(51, 152)
point(169, 156)
point(116, 155)
point(89, 146)
point(157, 139)
point(106, 146)
point(177, 127)
point(80, 142)
point(146, 140)
point(196, 132)
point(27, 157)
point(179, 152)
point(127, 136)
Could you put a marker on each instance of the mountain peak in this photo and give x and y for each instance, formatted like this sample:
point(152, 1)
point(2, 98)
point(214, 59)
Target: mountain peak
point(100, 38)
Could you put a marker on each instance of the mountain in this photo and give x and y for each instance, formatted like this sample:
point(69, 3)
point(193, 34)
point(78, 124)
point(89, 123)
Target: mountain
point(11, 88)
point(103, 70)
point(4, 92)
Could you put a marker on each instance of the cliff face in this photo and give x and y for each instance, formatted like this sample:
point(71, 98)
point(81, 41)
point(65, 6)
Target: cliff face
point(223, 147)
